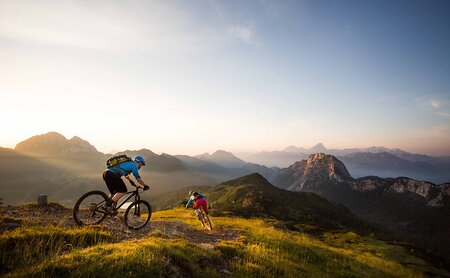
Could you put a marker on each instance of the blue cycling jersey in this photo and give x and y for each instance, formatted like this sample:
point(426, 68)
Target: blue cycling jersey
point(126, 168)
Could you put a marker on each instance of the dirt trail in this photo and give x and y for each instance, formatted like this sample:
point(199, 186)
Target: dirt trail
point(12, 217)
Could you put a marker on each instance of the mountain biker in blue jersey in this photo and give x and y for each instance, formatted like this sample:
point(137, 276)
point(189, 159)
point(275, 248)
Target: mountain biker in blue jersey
point(113, 178)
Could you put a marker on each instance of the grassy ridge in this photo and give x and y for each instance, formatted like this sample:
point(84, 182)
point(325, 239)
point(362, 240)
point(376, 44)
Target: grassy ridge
point(261, 250)
point(32, 244)
point(141, 258)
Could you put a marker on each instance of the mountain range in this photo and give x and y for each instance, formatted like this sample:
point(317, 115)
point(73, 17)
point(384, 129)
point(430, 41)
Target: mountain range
point(78, 165)
point(361, 162)
point(63, 168)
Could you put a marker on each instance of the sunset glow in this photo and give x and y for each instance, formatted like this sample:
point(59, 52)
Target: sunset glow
point(187, 78)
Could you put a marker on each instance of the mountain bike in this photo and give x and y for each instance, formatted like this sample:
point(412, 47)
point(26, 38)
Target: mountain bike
point(91, 209)
point(203, 218)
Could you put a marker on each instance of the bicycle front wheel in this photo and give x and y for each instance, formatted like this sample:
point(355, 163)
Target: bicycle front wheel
point(137, 214)
point(89, 209)
point(207, 221)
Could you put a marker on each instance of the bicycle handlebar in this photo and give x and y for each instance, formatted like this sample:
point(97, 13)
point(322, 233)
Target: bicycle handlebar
point(138, 186)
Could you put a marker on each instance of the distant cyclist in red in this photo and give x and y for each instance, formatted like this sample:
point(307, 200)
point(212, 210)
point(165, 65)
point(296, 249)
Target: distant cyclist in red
point(199, 200)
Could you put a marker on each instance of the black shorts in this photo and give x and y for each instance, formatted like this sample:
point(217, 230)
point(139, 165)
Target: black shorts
point(114, 182)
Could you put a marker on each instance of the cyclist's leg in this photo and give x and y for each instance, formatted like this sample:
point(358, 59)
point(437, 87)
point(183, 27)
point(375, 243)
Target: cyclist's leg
point(117, 196)
point(115, 185)
point(205, 208)
point(204, 205)
point(197, 211)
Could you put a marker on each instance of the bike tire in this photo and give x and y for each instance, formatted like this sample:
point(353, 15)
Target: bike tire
point(82, 214)
point(137, 215)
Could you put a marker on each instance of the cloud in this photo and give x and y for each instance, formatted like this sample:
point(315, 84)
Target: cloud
point(435, 103)
point(244, 33)
point(441, 107)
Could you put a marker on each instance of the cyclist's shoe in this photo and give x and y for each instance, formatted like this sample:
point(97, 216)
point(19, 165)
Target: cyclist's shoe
point(110, 208)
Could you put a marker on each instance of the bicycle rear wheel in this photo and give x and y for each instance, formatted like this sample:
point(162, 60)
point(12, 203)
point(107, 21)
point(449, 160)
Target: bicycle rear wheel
point(201, 218)
point(137, 214)
point(89, 209)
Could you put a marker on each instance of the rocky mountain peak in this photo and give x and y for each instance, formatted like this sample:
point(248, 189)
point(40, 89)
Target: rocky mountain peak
point(329, 166)
point(318, 169)
point(53, 143)
point(79, 145)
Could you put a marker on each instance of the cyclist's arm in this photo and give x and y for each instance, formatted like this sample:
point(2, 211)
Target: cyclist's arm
point(135, 172)
point(141, 181)
point(191, 199)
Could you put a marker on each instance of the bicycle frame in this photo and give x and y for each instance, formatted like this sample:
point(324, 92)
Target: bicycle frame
point(200, 211)
point(134, 193)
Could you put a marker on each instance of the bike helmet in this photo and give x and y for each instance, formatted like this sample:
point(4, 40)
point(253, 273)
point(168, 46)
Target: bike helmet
point(140, 159)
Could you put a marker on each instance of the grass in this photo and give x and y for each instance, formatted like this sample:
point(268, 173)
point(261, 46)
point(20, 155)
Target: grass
point(261, 250)
point(32, 244)
point(139, 258)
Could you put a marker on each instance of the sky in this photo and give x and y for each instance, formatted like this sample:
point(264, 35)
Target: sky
point(188, 77)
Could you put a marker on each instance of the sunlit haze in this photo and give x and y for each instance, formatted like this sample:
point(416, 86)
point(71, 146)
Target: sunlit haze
point(187, 77)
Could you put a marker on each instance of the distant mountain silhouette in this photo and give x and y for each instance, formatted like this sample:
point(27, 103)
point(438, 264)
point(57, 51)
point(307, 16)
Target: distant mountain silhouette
point(276, 158)
point(236, 167)
point(294, 149)
point(157, 163)
point(319, 147)
point(53, 143)
point(385, 164)
point(222, 158)
point(208, 168)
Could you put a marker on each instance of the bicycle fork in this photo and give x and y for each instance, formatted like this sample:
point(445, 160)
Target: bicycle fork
point(137, 208)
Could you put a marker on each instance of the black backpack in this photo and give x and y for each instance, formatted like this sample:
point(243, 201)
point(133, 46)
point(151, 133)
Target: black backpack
point(118, 159)
point(115, 161)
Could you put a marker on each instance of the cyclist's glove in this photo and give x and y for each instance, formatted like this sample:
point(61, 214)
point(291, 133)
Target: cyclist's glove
point(146, 187)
